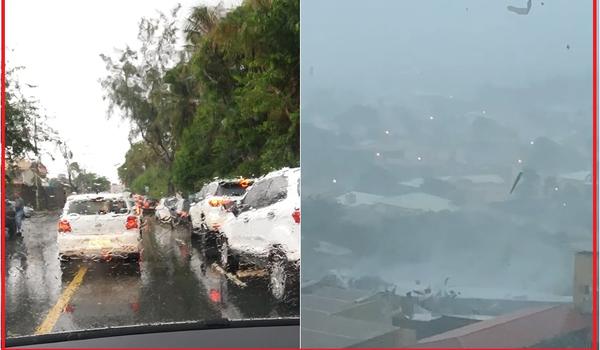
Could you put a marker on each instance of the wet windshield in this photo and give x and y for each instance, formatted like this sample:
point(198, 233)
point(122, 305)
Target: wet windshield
point(147, 110)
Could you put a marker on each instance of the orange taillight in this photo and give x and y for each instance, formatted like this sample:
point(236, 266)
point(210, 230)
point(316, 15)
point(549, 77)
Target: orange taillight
point(64, 226)
point(214, 202)
point(244, 183)
point(132, 222)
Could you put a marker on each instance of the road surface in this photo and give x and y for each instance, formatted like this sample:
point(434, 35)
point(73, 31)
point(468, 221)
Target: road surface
point(172, 282)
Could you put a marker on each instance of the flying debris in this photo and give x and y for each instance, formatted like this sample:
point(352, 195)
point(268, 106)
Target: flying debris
point(516, 181)
point(520, 10)
point(568, 47)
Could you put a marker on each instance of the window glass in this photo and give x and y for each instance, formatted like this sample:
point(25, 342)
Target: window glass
point(95, 207)
point(258, 194)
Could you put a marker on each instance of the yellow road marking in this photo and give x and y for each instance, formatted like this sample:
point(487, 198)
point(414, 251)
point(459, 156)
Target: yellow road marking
point(54, 313)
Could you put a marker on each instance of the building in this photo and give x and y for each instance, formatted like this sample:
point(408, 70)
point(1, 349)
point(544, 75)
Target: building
point(523, 328)
point(582, 282)
point(335, 317)
point(416, 202)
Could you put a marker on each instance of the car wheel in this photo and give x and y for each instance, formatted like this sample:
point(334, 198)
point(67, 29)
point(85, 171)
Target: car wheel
point(277, 275)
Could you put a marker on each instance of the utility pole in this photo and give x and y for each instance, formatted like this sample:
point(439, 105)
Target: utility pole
point(37, 165)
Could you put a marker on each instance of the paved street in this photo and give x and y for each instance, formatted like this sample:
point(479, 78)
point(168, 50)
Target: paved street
point(172, 282)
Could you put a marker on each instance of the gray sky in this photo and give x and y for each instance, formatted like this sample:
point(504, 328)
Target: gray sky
point(59, 43)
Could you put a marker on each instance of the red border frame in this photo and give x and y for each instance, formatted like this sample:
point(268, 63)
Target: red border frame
point(594, 175)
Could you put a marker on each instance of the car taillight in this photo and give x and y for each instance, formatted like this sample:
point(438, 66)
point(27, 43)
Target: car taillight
point(215, 296)
point(218, 201)
point(296, 216)
point(64, 226)
point(132, 222)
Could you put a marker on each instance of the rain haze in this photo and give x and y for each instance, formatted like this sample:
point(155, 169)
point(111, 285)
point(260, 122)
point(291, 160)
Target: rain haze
point(60, 45)
point(446, 147)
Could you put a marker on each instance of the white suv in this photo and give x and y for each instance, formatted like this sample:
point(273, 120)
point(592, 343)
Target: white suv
point(98, 226)
point(264, 230)
point(208, 212)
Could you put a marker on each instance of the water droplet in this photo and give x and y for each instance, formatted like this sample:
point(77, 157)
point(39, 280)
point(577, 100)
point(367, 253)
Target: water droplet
point(431, 117)
point(483, 112)
point(531, 142)
point(334, 181)
point(378, 154)
point(419, 158)
point(387, 132)
point(519, 161)
point(556, 188)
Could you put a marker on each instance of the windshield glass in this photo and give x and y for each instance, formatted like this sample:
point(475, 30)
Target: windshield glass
point(446, 173)
point(231, 189)
point(165, 101)
point(97, 206)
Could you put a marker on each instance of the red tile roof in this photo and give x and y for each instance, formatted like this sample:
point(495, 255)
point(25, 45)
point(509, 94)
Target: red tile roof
point(518, 329)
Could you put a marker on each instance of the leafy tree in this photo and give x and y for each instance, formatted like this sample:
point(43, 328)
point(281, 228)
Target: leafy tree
point(226, 104)
point(247, 63)
point(90, 182)
point(136, 85)
point(25, 127)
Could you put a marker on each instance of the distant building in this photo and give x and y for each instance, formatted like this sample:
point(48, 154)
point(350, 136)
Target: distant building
point(416, 201)
point(523, 328)
point(25, 172)
point(336, 317)
point(582, 282)
point(116, 188)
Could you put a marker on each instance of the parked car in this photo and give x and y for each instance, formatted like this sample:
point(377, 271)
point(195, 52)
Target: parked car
point(210, 207)
point(28, 211)
point(149, 205)
point(102, 225)
point(264, 230)
point(11, 222)
point(173, 210)
point(164, 209)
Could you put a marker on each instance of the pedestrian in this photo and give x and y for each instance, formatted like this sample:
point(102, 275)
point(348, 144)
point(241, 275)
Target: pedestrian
point(19, 211)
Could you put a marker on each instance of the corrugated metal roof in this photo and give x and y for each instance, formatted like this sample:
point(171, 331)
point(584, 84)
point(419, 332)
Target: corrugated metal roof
point(519, 329)
point(320, 329)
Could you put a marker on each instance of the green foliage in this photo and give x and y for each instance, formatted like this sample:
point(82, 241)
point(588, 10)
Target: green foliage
point(227, 105)
point(155, 178)
point(25, 127)
point(90, 182)
point(248, 123)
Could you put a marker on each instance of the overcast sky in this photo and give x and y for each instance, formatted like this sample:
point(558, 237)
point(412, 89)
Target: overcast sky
point(59, 43)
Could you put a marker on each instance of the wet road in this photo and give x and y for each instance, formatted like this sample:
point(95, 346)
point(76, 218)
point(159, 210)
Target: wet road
point(172, 282)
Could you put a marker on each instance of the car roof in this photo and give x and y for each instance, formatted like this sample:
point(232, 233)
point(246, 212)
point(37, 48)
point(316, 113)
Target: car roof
point(84, 196)
point(283, 171)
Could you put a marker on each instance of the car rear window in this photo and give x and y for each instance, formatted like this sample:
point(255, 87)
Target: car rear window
point(230, 189)
point(267, 192)
point(96, 206)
